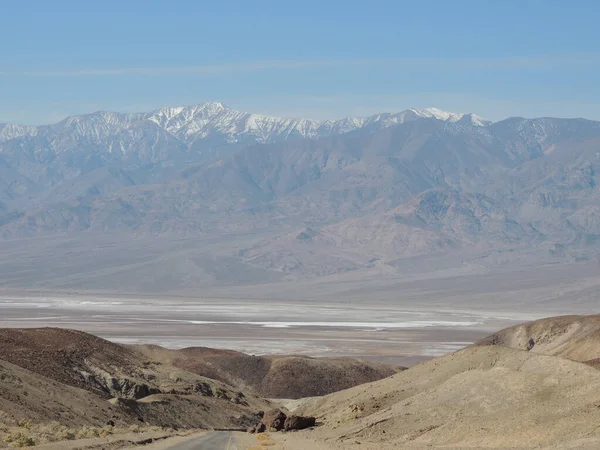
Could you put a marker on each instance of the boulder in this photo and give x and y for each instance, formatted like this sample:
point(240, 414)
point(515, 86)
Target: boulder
point(260, 428)
point(299, 423)
point(274, 420)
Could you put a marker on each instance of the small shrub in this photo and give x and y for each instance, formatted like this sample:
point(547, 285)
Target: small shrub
point(19, 439)
point(65, 434)
point(88, 432)
point(24, 423)
point(106, 431)
point(23, 442)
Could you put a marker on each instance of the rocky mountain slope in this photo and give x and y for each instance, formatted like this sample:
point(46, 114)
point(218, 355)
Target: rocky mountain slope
point(166, 138)
point(370, 189)
point(288, 377)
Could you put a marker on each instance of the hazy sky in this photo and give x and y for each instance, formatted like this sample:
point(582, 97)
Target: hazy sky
point(322, 59)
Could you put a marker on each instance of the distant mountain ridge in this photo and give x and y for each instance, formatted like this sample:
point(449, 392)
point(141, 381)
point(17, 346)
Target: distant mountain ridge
point(380, 188)
point(192, 123)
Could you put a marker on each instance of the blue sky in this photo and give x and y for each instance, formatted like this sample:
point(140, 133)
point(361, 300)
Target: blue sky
point(321, 59)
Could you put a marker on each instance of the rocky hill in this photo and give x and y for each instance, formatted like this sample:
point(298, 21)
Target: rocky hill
point(490, 395)
point(84, 372)
point(288, 377)
point(572, 337)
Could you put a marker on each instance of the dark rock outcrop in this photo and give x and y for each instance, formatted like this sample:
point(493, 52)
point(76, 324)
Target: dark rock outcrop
point(260, 428)
point(274, 420)
point(127, 388)
point(299, 423)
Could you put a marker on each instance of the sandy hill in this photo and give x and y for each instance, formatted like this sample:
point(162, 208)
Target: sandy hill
point(289, 377)
point(480, 397)
point(573, 337)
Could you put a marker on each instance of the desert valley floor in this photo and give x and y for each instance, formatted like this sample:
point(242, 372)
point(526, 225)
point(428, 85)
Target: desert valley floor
point(376, 332)
point(400, 321)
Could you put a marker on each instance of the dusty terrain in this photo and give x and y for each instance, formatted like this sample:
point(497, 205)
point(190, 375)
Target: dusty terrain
point(485, 396)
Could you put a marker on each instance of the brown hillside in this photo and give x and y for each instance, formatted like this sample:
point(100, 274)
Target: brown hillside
point(66, 356)
point(297, 377)
point(79, 369)
point(27, 395)
point(289, 377)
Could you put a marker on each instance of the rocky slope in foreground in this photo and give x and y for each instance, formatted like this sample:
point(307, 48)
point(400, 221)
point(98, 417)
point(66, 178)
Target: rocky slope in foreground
point(523, 387)
point(485, 396)
point(94, 382)
point(65, 380)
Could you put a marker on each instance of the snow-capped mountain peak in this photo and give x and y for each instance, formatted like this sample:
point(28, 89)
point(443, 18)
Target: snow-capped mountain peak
point(437, 114)
point(446, 116)
point(9, 131)
point(212, 121)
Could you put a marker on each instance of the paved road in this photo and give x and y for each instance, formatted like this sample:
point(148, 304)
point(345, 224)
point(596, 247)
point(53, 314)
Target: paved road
point(217, 440)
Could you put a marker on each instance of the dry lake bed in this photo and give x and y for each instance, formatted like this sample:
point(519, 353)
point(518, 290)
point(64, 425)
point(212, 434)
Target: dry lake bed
point(381, 332)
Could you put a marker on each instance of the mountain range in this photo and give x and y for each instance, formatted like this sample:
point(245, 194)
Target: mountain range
point(319, 197)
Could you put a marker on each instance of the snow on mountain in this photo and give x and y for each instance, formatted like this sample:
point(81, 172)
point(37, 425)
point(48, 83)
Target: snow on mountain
point(9, 131)
point(201, 121)
point(446, 116)
point(210, 121)
point(438, 114)
point(477, 120)
point(94, 127)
